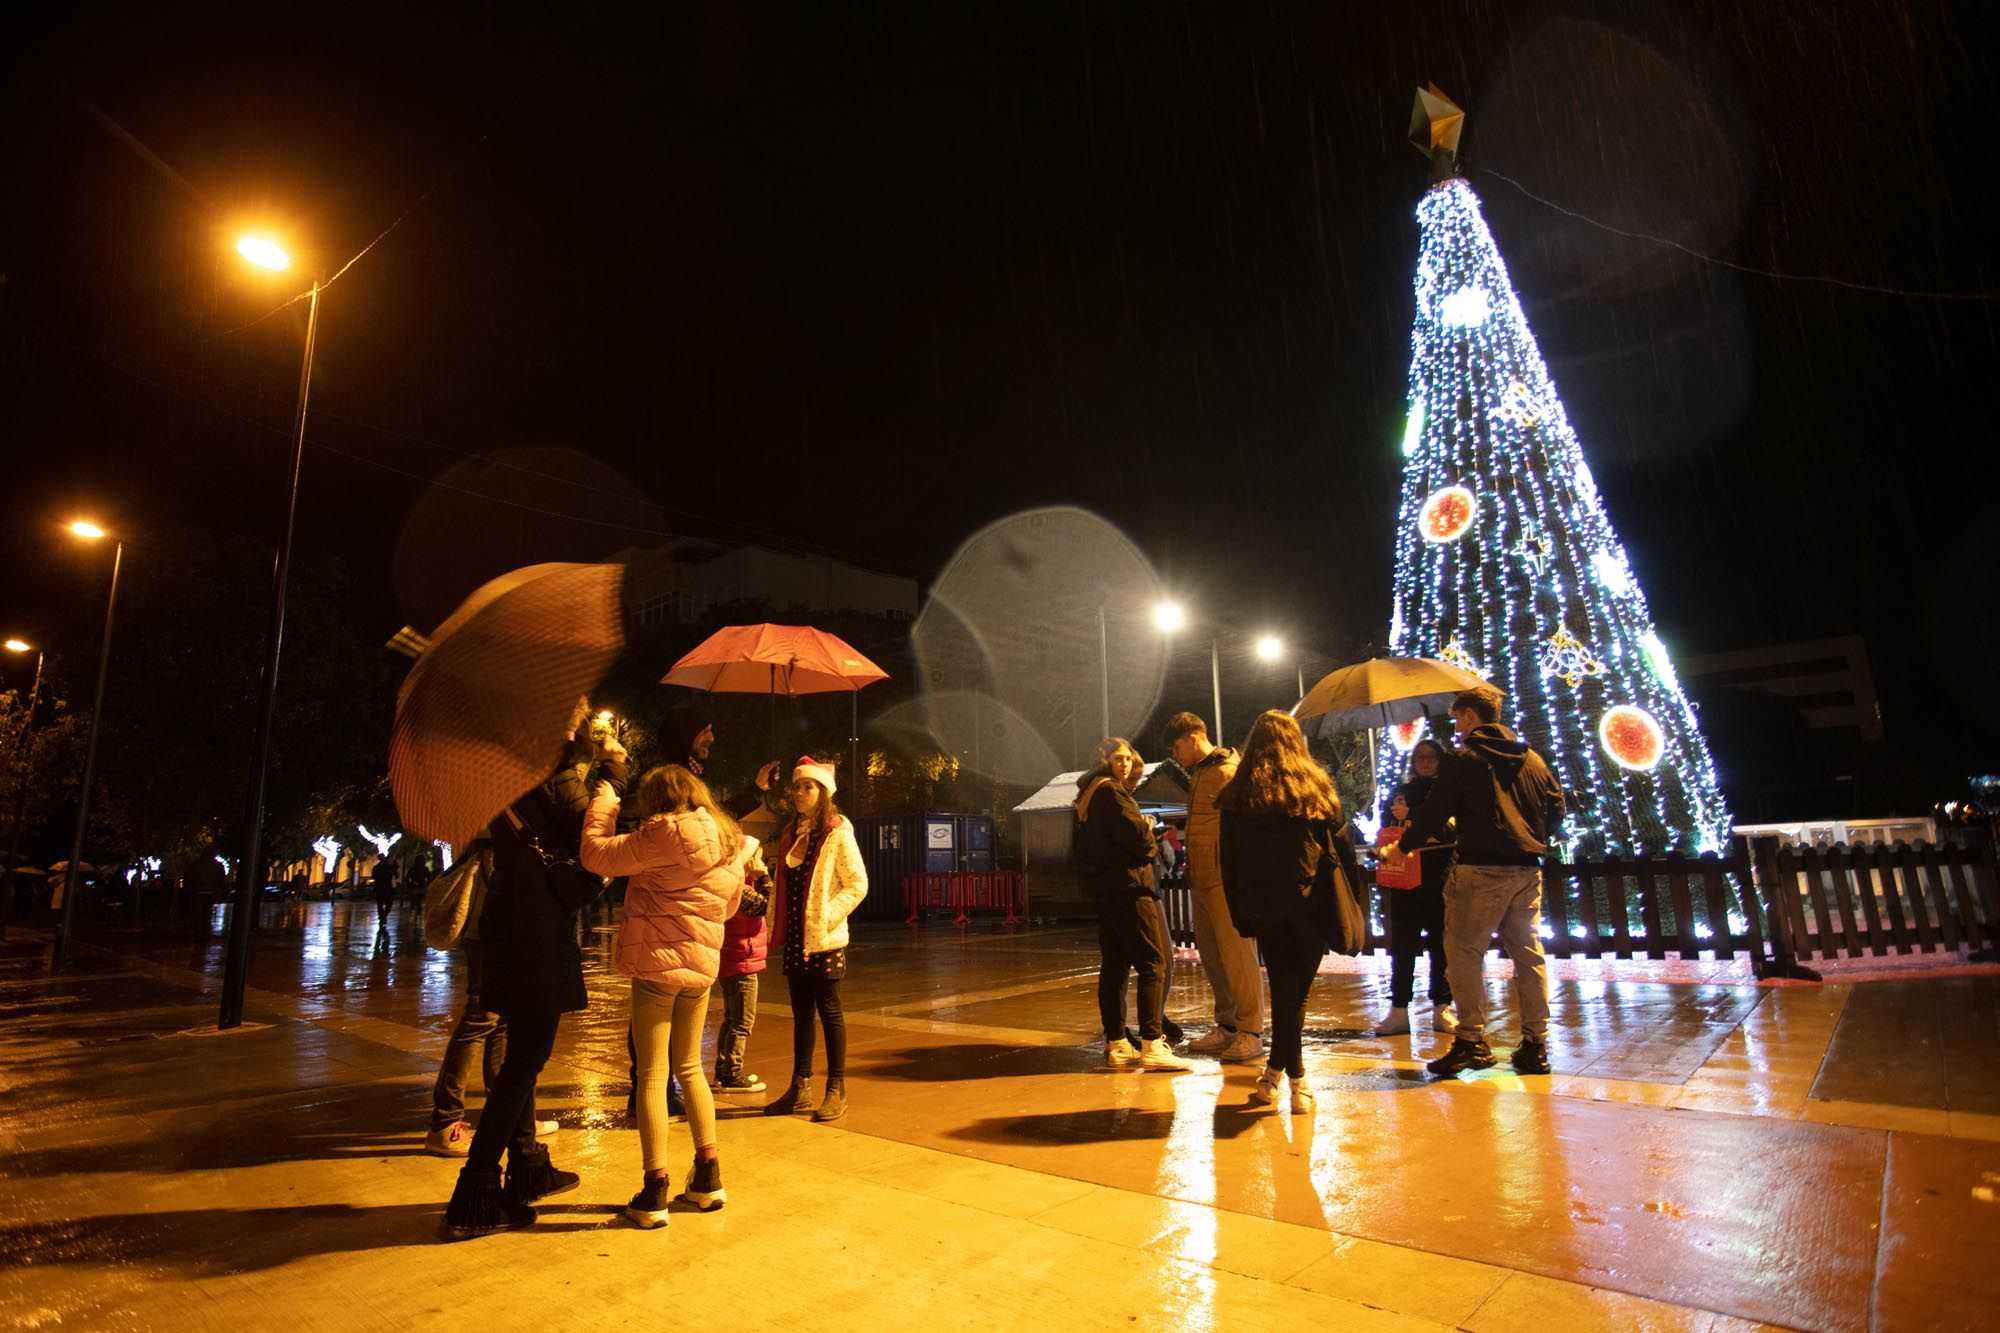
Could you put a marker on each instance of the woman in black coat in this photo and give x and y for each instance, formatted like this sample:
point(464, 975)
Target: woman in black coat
point(1280, 815)
point(532, 975)
point(1417, 913)
point(1112, 847)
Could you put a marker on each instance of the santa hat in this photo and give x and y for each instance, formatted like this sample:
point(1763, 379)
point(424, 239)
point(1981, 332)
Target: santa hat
point(809, 767)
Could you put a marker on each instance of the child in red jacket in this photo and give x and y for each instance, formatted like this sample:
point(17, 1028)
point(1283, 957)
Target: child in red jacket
point(746, 937)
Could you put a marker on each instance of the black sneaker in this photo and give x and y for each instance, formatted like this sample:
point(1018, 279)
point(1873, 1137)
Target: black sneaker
point(649, 1206)
point(1531, 1057)
point(704, 1191)
point(1465, 1053)
point(741, 1084)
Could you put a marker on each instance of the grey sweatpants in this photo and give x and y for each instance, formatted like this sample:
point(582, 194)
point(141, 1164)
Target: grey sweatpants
point(1478, 902)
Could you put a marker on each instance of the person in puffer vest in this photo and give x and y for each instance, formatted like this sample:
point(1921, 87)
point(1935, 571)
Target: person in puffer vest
point(746, 940)
point(685, 864)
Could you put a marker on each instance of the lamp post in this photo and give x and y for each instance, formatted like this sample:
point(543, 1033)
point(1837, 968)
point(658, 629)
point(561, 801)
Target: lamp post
point(1270, 648)
point(1171, 617)
point(20, 781)
point(89, 532)
point(249, 876)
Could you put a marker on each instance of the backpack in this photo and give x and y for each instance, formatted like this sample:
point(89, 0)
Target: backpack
point(452, 900)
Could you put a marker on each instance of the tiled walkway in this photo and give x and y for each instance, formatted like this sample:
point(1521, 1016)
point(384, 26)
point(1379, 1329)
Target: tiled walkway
point(1704, 1154)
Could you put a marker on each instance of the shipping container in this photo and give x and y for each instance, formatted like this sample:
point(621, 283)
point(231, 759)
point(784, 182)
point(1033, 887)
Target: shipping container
point(893, 846)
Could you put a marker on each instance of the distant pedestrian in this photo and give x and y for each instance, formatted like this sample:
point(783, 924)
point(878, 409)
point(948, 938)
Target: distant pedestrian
point(1280, 817)
point(531, 976)
point(1227, 956)
point(1112, 849)
point(819, 881)
point(1414, 897)
point(385, 879)
point(746, 942)
point(684, 865)
point(1508, 807)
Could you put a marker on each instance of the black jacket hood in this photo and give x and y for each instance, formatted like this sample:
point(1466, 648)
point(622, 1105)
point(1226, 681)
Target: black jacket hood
point(1499, 747)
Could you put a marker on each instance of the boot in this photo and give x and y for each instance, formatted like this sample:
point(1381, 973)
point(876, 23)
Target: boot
point(797, 1100)
point(479, 1207)
point(1465, 1053)
point(704, 1186)
point(531, 1176)
point(834, 1104)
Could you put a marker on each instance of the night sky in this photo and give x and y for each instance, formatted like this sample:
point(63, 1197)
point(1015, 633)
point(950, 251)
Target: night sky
point(861, 278)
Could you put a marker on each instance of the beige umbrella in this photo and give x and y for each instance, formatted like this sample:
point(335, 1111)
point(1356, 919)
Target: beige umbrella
point(1373, 695)
point(482, 716)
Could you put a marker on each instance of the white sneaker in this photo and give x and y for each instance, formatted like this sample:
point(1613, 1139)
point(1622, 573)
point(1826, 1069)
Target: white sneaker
point(1302, 1098)
point(1157, 1055)
point(1246, 1047)
point(1395, 1023)
point(544, 1128)
point(1444, 1018)
point(1120, 1054)
point(1267, 1087)
point(1212, 1042)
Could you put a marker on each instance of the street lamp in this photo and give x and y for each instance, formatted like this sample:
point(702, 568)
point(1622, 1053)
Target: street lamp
point(1168, 617)
point(20, 782)
point(266, 254)
point(85, 530)
point(1270, 648)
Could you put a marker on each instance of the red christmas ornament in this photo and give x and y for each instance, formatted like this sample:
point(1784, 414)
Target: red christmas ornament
point(1632, 737)
point(1447, 515)
point(1405, 735)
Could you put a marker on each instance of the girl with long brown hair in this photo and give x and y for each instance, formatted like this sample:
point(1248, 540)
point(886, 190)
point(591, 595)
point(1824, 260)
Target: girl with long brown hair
point(1280, 815)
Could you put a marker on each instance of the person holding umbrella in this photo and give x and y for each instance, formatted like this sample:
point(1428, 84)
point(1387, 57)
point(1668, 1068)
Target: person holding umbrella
point(1416, 903)
point(818, 880)
point(532, 975)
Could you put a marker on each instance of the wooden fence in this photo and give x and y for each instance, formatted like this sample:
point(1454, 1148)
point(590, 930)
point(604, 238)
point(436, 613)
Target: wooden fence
point(1773, 904)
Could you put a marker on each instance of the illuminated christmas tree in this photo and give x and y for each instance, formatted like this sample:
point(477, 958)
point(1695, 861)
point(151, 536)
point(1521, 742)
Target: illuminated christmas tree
point(1507, 565)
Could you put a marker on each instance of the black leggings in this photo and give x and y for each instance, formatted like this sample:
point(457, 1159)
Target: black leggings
point(821, 994)
point(508, 1122)
point(1414, 913)
point(1291, 956)
point(1131, 937)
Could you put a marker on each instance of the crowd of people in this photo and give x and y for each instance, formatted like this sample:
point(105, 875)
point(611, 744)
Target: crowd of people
point(1272, 874)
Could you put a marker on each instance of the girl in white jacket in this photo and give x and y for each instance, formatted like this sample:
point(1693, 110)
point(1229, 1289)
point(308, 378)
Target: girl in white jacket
point(685, 867)
point(817, 880)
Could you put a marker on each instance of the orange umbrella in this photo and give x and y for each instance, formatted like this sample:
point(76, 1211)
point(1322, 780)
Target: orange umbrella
point(482, 715)
point(774, 659)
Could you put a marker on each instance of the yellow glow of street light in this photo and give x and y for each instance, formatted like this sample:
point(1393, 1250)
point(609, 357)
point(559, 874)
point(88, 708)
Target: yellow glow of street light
point(17, 646)
point(1169, 616)
point(264, 253)
point(87, 530)
point(1270, 647)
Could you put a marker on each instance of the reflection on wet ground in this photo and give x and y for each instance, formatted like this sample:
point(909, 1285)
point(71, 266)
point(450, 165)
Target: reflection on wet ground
point(1772, 1153)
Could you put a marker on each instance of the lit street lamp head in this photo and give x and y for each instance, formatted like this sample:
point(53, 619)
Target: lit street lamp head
point(1169, 616)
point(1270, 647)
point(264, 253)
point(87, 530)
point(18, 646)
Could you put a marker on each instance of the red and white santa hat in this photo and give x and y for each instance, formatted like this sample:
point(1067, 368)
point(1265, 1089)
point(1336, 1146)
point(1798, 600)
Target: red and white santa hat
point(809, 767)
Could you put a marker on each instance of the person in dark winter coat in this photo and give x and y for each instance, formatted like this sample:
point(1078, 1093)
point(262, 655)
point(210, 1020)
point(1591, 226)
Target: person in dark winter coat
point(1112, 848)
point(1280, 815)
point(1415, 904)
point(1507, 807)
point(532, 976)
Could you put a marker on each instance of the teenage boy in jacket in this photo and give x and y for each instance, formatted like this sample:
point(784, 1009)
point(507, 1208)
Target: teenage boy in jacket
point(1229, 959)
point(1508, 807)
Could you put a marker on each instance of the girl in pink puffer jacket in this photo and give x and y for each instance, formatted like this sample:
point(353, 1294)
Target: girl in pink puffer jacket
point(684, 866)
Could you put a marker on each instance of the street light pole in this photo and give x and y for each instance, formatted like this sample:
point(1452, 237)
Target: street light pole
point(1103, 676)
point(89, 753)
point(250, 874)
point(1215, 681)
point(20, 786)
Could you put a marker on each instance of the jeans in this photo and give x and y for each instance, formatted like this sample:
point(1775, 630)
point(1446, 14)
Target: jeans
point(1131, 937)
point(1414, 914)
point(739, 1016)
point(1229, 959)
point(479, 1030)
point(1479, 900)
point(812, 994)
point(667, 1025)
point(1292, 954)
point(508, 1123)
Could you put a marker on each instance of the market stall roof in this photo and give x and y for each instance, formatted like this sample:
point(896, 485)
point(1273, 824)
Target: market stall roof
point(1163, 787)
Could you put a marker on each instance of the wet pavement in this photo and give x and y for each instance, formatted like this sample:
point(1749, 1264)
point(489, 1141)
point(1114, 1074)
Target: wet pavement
point(1707, 1151)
